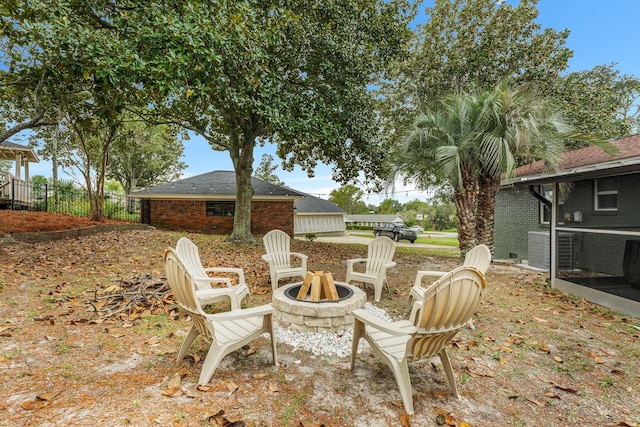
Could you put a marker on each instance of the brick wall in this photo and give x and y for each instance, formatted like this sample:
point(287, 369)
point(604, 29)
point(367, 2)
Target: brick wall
point(190, 215)
point(517, 213)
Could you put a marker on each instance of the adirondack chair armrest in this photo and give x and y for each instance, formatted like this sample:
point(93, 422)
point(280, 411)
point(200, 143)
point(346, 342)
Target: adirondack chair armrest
point(238, 271)
point(399, 328)
point(427, 273)
point(209, 279)
point(205, 294)
point(389, 264)
point(299, 255)
point(415, 310)
point(261, 310)
point(355, 261)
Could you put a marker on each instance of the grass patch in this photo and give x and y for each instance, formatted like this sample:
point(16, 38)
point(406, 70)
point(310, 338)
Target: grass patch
point(433, 240)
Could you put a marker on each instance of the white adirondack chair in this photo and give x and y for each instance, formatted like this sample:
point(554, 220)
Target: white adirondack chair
point(479, 257)
point(227, 331)
point(190, 256)
point(379, 258)
point(446, 307)
point(277, 244)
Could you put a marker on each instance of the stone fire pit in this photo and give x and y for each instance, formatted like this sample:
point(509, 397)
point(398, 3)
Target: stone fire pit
point(317, 316)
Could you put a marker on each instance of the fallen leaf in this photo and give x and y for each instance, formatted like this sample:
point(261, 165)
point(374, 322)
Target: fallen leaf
point(173, 391)
point(597, 359)
point(273, 387)
point(32, 405)
point(259, 376)
point(537, 402)
point(404, 420)
point(175, 381)
point(232, 387)
point(544, 348)
point(551, 395)
point(558, 359)
point(537, 319)
point(49, 396)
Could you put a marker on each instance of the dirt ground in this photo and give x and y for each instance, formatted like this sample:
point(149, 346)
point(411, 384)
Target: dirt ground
point(74, 351)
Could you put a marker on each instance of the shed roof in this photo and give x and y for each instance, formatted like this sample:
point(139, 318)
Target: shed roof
point(584, 163)
point(315, 205)
point(216, 185)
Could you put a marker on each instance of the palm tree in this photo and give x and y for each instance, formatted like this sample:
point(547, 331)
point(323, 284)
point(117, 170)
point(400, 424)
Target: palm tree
point(472, 140)
point(439, 149)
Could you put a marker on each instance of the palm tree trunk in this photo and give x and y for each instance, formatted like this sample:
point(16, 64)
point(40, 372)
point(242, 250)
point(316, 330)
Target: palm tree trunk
point(486, 210)
point(466, 201)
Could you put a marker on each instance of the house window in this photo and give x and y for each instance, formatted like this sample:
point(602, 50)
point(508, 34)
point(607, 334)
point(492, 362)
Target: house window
point(221, 208)
point(606, 195)
point(545, 212)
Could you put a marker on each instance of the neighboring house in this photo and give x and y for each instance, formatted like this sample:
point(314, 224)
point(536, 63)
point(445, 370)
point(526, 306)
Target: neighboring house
point(14, 188)
point(593, 248)
point(206, 204)
point(319, 216)
point(372, 220)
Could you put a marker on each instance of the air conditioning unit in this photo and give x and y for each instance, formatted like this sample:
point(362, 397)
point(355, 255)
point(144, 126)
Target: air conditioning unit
point(540, 250)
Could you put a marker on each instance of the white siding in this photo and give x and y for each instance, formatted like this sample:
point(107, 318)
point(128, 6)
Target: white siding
point(304, 224)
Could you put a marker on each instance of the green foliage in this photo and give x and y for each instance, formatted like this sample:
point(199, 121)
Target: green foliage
point(5, 166)
point(265, 170)
point(471, 45)
point(310, 236)
point(145, 156)
point(601, 101)
point(390, 206)
point(349, 198)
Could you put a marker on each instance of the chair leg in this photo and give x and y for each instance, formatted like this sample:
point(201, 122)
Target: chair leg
point(358, 332)
point(401, 373)
point(446, 364)
point(211, 362)
point(274, 352)
point(193, 333)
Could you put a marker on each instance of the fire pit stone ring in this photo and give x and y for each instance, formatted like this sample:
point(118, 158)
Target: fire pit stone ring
point(321, 316)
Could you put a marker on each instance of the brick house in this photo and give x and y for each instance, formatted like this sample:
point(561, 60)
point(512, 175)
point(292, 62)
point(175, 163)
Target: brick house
point(206, 204)
point(581, 223)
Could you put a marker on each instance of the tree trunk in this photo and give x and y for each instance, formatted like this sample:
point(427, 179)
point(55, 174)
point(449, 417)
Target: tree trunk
point(243, 163)
point(465, 199)
point(486, 210)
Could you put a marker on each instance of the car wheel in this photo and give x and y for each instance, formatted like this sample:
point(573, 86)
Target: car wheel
point(412, 241)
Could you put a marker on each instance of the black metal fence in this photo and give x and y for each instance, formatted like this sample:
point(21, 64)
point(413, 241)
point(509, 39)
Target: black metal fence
point(63, 197)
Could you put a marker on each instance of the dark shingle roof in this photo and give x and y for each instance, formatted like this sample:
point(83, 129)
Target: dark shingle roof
point(312, 204)
point(216, 184)
point(584, 163)
point(591, 155)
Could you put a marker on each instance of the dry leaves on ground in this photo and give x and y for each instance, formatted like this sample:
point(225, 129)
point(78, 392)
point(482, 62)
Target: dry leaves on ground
point(89, 338)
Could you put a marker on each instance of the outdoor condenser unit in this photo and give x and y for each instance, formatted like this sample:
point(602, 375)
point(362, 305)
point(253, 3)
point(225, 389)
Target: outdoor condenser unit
point(539, 249)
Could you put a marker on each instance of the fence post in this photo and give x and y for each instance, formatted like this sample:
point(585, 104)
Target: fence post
point(13, 194)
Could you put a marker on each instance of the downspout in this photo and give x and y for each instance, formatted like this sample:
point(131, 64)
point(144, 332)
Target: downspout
point(548, 204)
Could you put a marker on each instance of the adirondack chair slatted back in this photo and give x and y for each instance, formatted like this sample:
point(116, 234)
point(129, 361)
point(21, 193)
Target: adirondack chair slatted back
point(380, 251)
point(277, 244)
point(479, 257)
point(447, 306)
point(190, 256)
point(181, 283)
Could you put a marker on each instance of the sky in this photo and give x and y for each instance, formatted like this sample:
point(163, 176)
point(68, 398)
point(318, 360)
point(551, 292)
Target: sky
point(601, 32)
